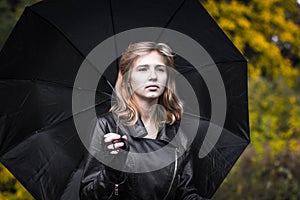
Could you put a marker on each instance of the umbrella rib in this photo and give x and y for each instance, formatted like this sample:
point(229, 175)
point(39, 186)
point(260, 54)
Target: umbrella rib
point(78, 166)
point(112, 18)
point(55, 124)
point(47, 82)
point(231, 61)
point(171, 18)
point(70, 42)
point(84, 110)
point(45, 166)
point(222, 62)
point(196, 116)
point(206, 119)
point(176, 11)
point(56, 28)
point(212, 64)
point(115, 40)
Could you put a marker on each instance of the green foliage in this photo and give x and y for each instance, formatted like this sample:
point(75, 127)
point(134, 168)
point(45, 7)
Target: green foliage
point(10, 12)
point(6, 21)
point(268, 34)
point(262, 32)
point(272, 178)
point(10, 188)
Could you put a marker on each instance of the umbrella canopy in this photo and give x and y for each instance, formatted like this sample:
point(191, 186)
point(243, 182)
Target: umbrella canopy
point(39, 143)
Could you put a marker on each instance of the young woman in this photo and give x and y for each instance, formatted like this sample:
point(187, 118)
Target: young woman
point(145, 118)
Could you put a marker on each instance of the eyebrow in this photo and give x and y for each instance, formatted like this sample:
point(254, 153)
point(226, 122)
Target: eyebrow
point(147, 65)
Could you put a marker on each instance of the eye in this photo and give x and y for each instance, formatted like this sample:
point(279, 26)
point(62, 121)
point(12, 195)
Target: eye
point(161, 68)
point(142, 69)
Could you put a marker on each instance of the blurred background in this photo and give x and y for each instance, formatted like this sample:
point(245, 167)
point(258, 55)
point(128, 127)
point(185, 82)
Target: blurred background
point(267, 32)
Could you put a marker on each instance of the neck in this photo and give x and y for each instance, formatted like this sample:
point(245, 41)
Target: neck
point(147, 112)
point(144, 107)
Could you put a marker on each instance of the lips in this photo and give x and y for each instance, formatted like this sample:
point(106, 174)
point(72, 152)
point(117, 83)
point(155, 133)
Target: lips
point(152, 86)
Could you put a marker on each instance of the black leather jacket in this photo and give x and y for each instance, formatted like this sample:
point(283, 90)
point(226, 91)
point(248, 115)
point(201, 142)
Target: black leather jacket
point(173, 181)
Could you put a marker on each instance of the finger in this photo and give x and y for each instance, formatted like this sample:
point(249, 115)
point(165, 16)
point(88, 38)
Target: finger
point(114, 152)
point(116, 145)
point(111, 137)
point(111, 134)
point(124, 137)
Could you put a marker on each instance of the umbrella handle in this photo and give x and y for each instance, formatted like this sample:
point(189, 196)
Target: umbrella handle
point(126, 145)
point(117, 126)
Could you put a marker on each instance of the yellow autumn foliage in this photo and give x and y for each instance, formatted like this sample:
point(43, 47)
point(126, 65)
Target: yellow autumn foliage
point(268, 34)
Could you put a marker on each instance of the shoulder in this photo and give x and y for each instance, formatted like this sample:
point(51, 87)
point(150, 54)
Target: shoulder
point(106, 121)
point(106, 117)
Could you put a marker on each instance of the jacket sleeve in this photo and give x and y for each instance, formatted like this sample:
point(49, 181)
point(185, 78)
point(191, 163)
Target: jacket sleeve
point(186, 189)
point(98, 180)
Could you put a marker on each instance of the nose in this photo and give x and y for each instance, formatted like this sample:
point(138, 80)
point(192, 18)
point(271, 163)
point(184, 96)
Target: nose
point(152, 74)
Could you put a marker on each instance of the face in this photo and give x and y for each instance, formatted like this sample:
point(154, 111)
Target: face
point(149, 76)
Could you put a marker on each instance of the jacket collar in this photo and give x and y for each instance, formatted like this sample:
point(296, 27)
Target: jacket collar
point(166, 133)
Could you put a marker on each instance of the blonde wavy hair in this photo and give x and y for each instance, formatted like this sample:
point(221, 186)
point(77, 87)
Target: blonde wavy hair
point(125, 106)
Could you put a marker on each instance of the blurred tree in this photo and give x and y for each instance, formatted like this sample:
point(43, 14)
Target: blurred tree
point(268, 34)
point(261, 30)
point(10, 188)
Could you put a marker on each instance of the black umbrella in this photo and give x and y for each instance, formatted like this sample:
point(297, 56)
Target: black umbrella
point(39, 143)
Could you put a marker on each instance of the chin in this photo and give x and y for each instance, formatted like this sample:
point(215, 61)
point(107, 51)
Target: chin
point(153, 96)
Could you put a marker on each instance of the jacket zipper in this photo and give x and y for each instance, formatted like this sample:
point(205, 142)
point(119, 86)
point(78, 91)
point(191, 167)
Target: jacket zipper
point(116, 189)
point(174, 175)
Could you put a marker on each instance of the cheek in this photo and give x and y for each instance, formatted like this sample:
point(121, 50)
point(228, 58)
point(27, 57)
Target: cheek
point(164, 79)
point(136, 82)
